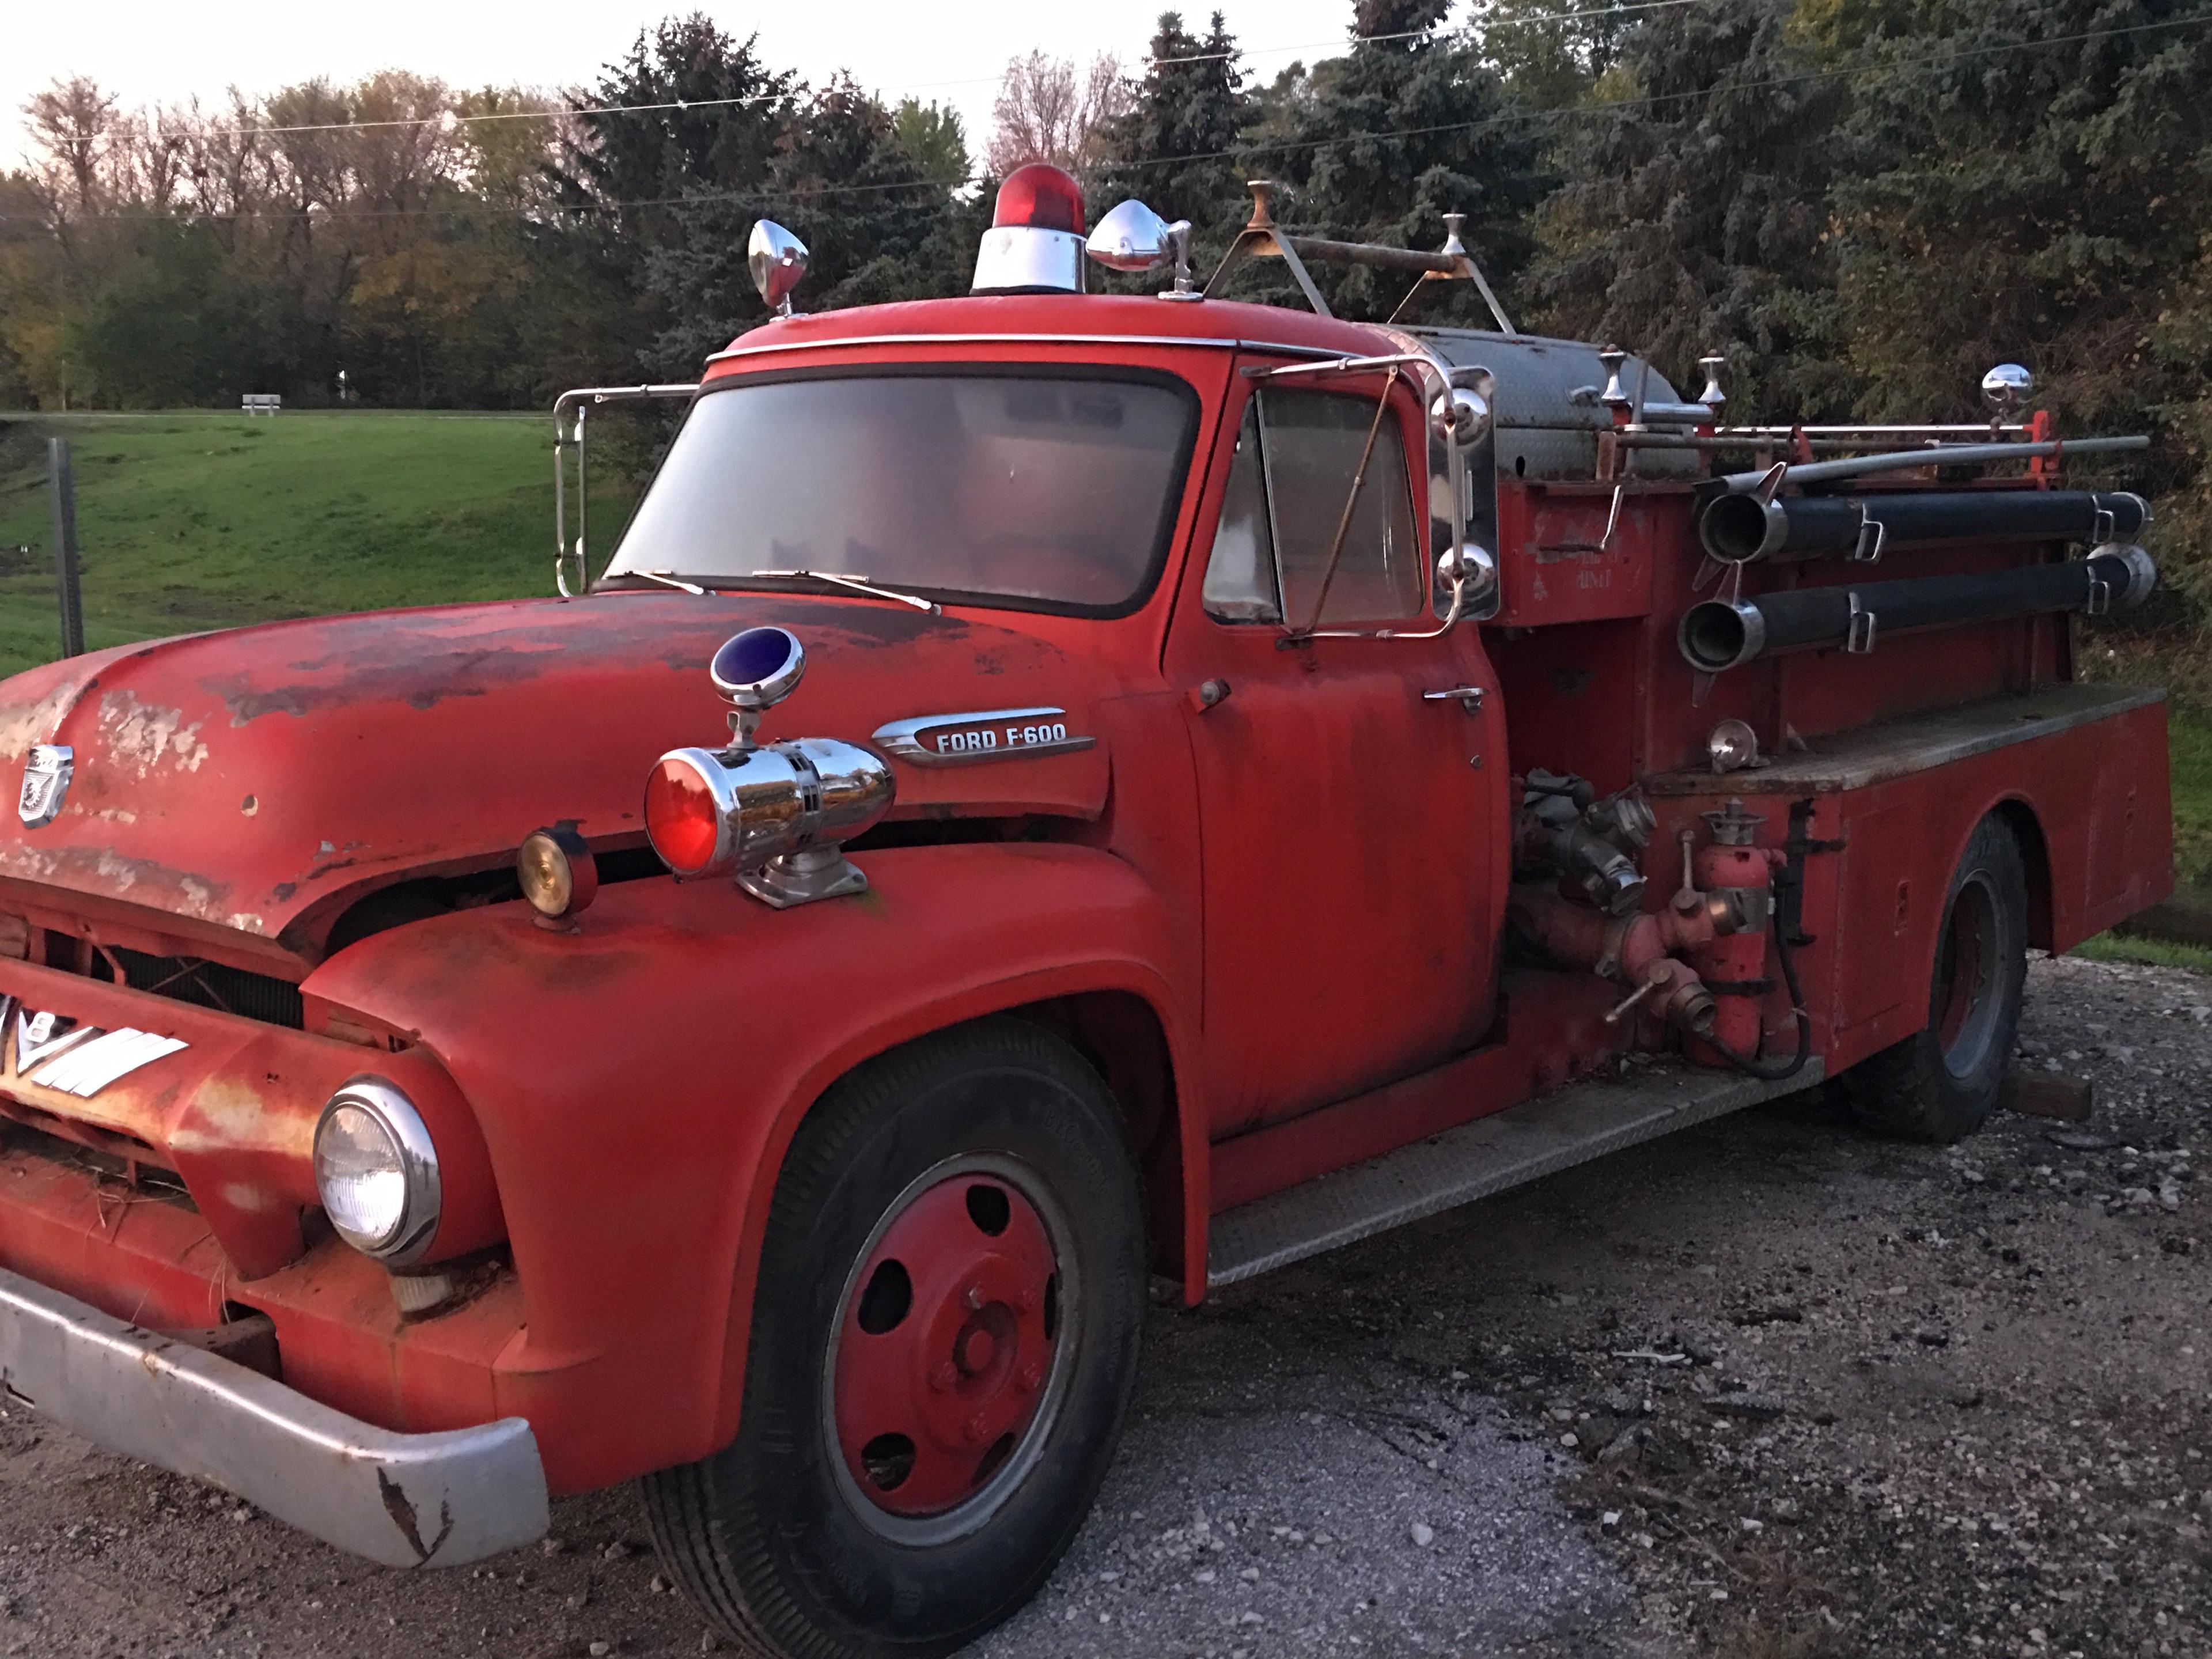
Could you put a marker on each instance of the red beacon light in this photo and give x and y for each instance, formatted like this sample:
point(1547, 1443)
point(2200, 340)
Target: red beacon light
point(1035, 245)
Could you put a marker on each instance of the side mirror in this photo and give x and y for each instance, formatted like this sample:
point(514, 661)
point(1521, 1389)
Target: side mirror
point(778, 261)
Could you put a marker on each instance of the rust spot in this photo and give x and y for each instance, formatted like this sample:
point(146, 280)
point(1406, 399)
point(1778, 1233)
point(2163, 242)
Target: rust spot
point(401, 1509)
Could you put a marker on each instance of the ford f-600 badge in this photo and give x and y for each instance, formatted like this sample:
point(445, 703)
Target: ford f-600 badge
point(46, 784)
point(992, 734)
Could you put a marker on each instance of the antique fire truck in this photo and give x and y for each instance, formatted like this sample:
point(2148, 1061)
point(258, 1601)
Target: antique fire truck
point(1052, 791)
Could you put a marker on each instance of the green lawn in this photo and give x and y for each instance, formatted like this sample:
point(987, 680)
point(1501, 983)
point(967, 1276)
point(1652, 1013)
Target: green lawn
point(195, 520)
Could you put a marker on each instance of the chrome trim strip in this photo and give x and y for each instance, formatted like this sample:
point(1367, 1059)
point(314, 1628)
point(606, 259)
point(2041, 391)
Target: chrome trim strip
point(405, 1500)
point(1205, 343)
point(904, 738)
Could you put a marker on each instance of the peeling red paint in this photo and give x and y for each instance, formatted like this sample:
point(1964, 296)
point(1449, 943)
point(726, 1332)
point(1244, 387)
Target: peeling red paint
point(375, 747)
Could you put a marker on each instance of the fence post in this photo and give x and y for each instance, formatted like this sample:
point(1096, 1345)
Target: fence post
point(61, 490)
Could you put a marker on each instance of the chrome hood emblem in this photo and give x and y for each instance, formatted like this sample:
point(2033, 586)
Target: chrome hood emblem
point(75, 1057)
point(988, 734)
point(47, 776)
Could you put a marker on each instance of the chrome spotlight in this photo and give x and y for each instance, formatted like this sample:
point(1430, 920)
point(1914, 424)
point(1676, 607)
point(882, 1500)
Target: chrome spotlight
point(778, 261)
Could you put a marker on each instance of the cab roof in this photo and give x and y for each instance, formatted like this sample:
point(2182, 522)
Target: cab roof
point(1045, 317)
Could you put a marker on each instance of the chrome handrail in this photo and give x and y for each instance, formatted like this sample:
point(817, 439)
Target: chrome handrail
point(571, 407)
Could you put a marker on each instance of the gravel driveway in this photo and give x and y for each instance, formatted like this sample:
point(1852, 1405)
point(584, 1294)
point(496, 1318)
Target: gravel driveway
point(1768, 1389)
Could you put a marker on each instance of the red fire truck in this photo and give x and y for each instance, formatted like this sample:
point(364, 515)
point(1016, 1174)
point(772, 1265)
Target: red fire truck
point(1052, 790)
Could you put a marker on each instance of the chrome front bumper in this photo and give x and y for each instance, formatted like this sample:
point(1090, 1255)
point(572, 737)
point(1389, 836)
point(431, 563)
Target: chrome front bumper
point(405, 1500)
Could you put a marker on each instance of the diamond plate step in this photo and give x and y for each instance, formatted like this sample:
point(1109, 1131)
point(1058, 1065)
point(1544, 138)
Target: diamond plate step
point(1523, 1143)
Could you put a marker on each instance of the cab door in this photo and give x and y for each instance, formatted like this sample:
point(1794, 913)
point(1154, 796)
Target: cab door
point(1352, 819)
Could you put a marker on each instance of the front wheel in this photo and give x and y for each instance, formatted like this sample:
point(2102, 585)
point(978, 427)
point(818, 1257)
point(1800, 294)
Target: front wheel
point(1941, 1083)
point(944, 1337)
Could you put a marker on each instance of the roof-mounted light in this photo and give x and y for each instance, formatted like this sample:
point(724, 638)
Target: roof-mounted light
point(1035, 245)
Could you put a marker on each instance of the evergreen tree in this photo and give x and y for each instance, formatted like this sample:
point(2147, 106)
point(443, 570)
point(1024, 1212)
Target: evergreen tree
point(690, 108)
point(1548, 58)
point(1175, 149)
point(844, 183)
point(1379, 144)
point(2023, 182)
point(1695, 218)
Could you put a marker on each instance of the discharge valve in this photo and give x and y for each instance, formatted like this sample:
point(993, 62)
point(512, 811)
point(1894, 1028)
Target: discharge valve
point(775, 815)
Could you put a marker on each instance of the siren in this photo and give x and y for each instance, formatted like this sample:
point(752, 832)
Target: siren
point(1035, 245)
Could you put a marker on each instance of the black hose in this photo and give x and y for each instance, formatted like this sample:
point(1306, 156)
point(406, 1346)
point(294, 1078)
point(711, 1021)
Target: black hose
point(1718, 635)
point(1774, 1071)
point(1739, 528)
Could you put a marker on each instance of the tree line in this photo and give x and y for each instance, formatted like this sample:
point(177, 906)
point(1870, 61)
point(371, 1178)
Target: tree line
point(1863, 204)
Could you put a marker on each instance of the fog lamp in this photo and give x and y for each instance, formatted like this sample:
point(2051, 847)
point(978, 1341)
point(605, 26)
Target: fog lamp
point(377, 1172)
point(558, 874)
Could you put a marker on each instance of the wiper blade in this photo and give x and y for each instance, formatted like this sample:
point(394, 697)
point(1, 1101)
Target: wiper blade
point(855, 584)
point(666, 578)
point(669, 579)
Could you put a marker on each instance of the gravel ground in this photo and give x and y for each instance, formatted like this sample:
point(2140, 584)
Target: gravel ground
point(1770, 1389)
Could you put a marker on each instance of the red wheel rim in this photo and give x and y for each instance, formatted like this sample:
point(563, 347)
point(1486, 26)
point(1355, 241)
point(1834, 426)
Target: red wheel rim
point(945, 1345)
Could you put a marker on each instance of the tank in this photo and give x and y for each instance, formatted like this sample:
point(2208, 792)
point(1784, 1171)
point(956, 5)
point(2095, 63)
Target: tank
point(1544, 431)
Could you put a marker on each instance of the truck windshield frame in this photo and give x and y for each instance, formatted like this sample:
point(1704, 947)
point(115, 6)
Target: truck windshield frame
point(726, 486)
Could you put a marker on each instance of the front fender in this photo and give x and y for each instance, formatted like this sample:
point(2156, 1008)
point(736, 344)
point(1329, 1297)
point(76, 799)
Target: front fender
point(638, 1082)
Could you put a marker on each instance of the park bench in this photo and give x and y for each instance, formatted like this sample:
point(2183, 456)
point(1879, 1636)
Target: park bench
point(262, 403)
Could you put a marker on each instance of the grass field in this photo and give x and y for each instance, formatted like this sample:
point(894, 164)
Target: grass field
point(194, 520)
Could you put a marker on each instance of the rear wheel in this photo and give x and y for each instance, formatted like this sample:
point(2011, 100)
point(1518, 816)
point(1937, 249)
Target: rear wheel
point(1941, 1083)
point(944, 1339)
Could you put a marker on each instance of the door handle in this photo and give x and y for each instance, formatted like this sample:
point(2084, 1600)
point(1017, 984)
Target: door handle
point(1468, 698)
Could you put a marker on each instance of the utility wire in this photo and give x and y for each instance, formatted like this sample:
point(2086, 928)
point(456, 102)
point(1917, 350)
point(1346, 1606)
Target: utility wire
point(450, 118)
point(1888, 70)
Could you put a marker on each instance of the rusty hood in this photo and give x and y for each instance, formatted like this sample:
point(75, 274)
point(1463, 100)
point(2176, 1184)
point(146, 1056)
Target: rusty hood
point(260, 780)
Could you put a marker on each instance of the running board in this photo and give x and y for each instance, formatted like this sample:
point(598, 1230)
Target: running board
point(1508, 1148)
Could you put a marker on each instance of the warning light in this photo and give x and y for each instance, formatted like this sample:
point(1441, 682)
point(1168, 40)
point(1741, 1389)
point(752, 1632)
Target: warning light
point(1042, 196)
point(1035, 245)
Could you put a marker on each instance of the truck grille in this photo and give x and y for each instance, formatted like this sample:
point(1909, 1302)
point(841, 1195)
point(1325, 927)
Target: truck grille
point(210, 985)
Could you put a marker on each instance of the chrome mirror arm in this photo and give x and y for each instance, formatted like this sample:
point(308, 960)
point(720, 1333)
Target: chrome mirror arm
point(569, 409)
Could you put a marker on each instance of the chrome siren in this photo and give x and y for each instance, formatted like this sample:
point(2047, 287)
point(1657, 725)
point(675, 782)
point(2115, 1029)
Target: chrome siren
point(774, 814)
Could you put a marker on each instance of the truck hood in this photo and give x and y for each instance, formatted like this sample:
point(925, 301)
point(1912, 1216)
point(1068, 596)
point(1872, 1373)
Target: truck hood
point(259, 780)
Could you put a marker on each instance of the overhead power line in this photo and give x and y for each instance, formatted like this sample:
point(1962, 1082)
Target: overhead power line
point(1889, 69)
point(450, 119)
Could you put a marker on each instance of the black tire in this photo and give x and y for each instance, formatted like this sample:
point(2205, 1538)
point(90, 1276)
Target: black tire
point(775, 1537)
point(1941, 1083)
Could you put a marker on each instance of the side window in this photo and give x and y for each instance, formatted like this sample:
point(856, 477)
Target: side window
point(1240, 577)
point(1297, 455)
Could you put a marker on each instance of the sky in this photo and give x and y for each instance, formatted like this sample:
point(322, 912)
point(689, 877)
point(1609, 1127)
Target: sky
point(169, 53)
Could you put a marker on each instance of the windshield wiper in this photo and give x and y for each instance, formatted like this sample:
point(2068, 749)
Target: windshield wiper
point(856, 584)
point(670, 579)
point(666, 578)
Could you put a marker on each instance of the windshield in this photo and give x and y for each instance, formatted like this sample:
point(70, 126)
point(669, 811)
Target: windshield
point(1052, 490)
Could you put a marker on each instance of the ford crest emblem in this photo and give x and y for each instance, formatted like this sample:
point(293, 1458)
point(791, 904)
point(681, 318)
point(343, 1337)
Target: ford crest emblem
point(46, 784)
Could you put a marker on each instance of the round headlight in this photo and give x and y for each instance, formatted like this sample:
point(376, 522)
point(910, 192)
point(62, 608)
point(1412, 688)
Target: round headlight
point(377, 1172)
